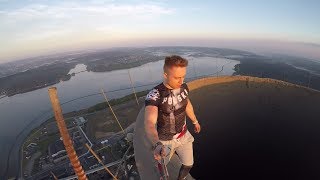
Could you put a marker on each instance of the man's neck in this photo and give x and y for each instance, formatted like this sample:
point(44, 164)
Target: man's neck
point(168, 86)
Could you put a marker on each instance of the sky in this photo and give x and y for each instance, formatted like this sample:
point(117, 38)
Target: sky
point(37, 27)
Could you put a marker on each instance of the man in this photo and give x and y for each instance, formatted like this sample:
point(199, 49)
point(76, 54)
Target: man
point(166, 107)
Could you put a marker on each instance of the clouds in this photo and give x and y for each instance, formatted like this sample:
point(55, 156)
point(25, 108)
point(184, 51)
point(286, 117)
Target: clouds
point(31, 25)
point(62, 22)
point(91, 10)
point(70, 16)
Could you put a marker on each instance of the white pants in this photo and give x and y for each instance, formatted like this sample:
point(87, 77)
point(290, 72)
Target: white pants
point(182, 146)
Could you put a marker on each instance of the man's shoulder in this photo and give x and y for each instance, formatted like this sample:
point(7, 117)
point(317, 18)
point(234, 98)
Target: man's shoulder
point(158, 88)
point(154, 93)
point(185, 86)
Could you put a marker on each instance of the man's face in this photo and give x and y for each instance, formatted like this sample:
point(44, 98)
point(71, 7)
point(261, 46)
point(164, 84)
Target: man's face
point(175, 75)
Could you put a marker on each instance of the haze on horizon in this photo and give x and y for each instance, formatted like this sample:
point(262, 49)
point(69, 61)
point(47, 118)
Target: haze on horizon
point(38, 27)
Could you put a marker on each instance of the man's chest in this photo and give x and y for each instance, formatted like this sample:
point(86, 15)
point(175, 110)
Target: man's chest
point(173, 100)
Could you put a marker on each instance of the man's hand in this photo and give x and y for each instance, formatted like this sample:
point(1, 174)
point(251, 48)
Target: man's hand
point(197, 127)
point(159, 151)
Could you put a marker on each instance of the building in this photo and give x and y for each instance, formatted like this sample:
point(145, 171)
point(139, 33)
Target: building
point(80, 120)
point(57, 151)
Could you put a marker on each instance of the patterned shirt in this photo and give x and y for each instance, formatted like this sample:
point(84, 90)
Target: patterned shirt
point(171, 105)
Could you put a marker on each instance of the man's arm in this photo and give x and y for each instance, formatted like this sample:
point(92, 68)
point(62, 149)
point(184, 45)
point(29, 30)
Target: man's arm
point(150, 120)
point(190, 112)
point(192, 116)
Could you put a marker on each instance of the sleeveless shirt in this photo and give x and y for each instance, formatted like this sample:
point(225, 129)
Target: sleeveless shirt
point(171, 105)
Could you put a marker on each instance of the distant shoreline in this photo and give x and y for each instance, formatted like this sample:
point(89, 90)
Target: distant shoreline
point(106, 61)
point(67, 77)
